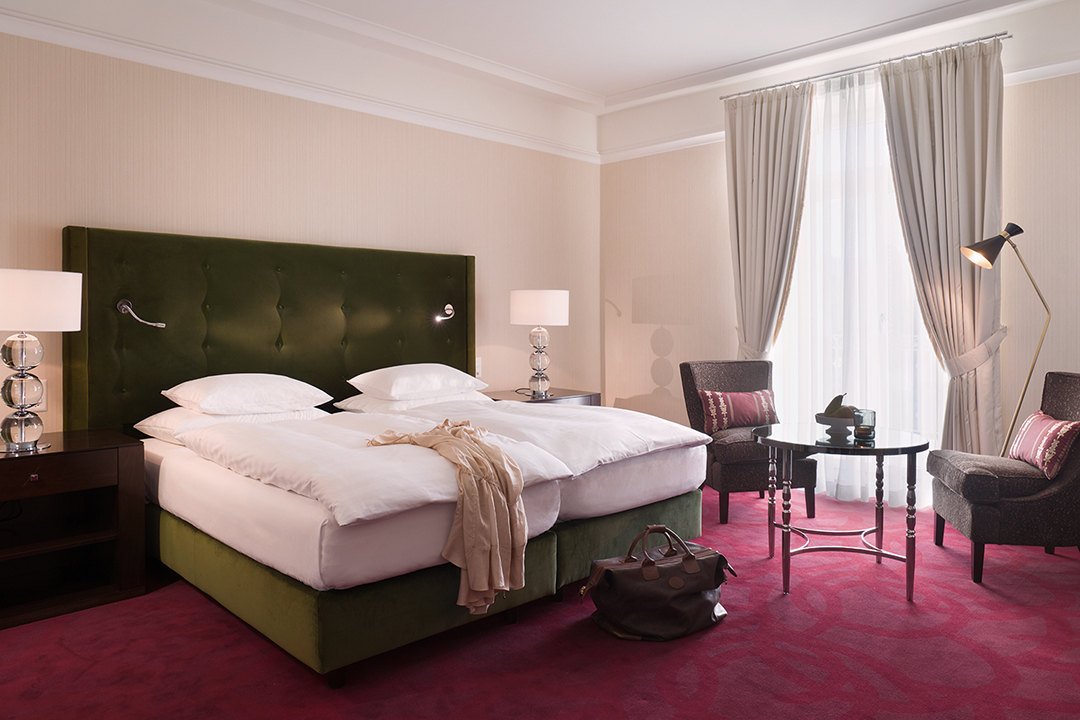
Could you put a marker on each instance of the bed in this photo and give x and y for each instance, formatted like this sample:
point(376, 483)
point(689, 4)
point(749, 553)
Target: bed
point(323, 315)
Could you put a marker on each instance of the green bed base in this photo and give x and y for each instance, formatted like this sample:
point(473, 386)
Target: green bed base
point(329, 629)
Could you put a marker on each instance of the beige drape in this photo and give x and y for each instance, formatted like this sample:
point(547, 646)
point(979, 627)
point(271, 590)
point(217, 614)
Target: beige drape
point(944, 120)
point(767, 141)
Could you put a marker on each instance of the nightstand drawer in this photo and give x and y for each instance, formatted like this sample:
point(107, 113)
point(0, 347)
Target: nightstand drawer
point(37, 475)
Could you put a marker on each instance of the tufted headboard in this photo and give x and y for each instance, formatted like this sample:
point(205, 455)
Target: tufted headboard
point(317, 313)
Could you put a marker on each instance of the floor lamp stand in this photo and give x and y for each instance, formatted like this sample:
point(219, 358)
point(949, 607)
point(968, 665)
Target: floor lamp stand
point(1038, 348)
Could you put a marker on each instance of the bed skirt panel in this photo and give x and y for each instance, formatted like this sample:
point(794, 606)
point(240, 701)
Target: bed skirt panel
point(330, 629)
point(582, 541)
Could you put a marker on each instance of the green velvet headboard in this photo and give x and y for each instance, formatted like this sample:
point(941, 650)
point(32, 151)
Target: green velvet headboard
point(317, 313)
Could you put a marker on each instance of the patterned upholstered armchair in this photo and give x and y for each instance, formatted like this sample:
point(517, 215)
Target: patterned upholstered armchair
point(737, 463)
point(1005, 501)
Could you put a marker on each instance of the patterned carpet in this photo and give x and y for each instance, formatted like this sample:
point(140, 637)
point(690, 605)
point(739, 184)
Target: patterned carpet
point(844, 644)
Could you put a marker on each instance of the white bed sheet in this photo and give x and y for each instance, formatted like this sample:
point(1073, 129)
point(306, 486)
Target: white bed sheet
point(297, 535)
point(632, 483)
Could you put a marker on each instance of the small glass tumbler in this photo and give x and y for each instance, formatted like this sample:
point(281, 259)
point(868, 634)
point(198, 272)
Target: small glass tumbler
point(865, 420)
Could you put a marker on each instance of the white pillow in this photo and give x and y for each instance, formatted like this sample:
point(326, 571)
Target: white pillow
point(166, 425)
point(414, 382)
point(246, 393)
point(369, 404)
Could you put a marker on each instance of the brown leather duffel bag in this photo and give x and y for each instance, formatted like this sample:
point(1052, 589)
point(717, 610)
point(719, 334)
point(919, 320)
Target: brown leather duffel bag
point(659, 594)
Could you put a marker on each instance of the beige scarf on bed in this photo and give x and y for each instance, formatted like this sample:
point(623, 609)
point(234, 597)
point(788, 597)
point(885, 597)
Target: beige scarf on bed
point(487, 539)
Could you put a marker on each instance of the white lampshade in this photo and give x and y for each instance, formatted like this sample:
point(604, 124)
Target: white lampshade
point(540, 307)
point(40, 300)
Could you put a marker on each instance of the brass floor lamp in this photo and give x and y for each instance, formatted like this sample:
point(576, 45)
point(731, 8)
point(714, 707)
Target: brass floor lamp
point(984, 254)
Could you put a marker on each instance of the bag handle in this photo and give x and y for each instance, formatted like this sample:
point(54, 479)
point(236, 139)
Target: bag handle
point(648, 565)
point(643, 537)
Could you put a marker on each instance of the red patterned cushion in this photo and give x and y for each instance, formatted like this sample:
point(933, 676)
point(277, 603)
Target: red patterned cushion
point(1044, 442)
point(739, 409)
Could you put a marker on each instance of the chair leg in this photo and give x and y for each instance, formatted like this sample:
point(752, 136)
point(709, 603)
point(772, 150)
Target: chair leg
point(978, 550)
point(1049, 549)
point(725, 499)
point(761, 494)
point(810, 502)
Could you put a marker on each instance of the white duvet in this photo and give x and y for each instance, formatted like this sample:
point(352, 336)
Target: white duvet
point(328, 459)
point(582, 436)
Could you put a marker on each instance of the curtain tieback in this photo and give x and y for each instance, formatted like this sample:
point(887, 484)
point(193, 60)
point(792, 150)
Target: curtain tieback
point(747, 352)
point(973, 358)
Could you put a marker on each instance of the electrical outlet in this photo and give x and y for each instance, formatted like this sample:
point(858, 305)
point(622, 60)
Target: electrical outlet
point(479, 371)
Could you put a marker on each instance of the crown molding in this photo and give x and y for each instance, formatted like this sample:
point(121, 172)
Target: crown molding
point(14, 23)
point(655, 148)
point(337, 24)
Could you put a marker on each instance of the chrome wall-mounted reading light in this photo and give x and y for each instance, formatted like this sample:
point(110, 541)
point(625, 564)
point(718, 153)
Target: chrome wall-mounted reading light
point(449, 313)
point(124, 306)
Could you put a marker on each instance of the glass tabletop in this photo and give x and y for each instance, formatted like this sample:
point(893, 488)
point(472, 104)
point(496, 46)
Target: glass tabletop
point(811, 438)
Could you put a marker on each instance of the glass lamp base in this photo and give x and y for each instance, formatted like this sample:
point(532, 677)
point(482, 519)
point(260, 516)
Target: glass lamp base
point(540, 386)
point(20, 432)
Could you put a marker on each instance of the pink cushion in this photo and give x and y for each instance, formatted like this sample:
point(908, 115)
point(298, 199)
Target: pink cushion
point(738, 409)
point(1044, 442)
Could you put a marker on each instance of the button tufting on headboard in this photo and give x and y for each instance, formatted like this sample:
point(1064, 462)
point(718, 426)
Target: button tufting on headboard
point(321, 314)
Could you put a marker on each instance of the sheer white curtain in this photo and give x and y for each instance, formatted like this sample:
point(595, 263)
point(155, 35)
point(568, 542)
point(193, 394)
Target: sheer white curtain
point(852, 322)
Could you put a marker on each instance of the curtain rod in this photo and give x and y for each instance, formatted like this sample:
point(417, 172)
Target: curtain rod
point(851, 71)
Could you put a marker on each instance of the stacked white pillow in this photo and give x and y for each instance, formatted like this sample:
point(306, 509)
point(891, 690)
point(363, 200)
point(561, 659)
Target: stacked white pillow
point(235, 397)
point(403, 387)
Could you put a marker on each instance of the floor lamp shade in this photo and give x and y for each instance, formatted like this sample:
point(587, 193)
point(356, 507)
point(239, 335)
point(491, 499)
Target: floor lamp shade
point(33, 301)
point(539, 308)
point(984, 254)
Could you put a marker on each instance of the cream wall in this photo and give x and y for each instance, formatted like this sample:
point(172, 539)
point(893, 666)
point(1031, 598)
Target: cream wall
point(1041, 189)
point(90, 140)
point(666, 276)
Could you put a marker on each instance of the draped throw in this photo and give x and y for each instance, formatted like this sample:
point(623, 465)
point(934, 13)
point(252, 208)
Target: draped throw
point(944, 121)
point(487, 539)
point(767, 148)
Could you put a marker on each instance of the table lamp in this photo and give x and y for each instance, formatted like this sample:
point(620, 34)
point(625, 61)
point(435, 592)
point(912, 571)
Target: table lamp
point(983, 254)
point(37, 301)
point(539, 308)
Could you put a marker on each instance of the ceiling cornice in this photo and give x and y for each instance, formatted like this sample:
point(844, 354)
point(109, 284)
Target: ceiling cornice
point(57, 33)
point(332, 23)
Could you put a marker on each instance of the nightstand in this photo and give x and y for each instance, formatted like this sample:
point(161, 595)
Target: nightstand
point(71, 525)
point(555, 395)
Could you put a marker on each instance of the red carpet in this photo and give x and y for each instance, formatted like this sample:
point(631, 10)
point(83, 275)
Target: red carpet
point(843, 644)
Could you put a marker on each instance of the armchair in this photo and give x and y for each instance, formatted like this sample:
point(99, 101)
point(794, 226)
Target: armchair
point(1003, 501)
point(736, 462)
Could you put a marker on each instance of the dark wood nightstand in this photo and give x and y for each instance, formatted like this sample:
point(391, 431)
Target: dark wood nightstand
point(71, 525)
point(555, 395)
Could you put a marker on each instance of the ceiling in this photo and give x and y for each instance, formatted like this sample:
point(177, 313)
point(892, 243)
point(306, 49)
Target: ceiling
point(606, 53)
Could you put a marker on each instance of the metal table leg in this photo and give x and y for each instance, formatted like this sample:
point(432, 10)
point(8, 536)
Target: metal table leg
point(879, 516)
point(910, 526)
point(785, 536)
point(772, 502)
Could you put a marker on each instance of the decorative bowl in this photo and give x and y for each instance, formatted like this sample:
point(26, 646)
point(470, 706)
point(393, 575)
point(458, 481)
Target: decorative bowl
point(837, 428)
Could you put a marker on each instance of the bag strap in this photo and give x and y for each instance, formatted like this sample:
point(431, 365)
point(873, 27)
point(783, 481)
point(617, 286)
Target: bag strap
point(648, 565)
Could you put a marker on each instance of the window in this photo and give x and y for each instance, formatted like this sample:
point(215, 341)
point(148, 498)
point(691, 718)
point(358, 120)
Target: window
point(852, 322)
